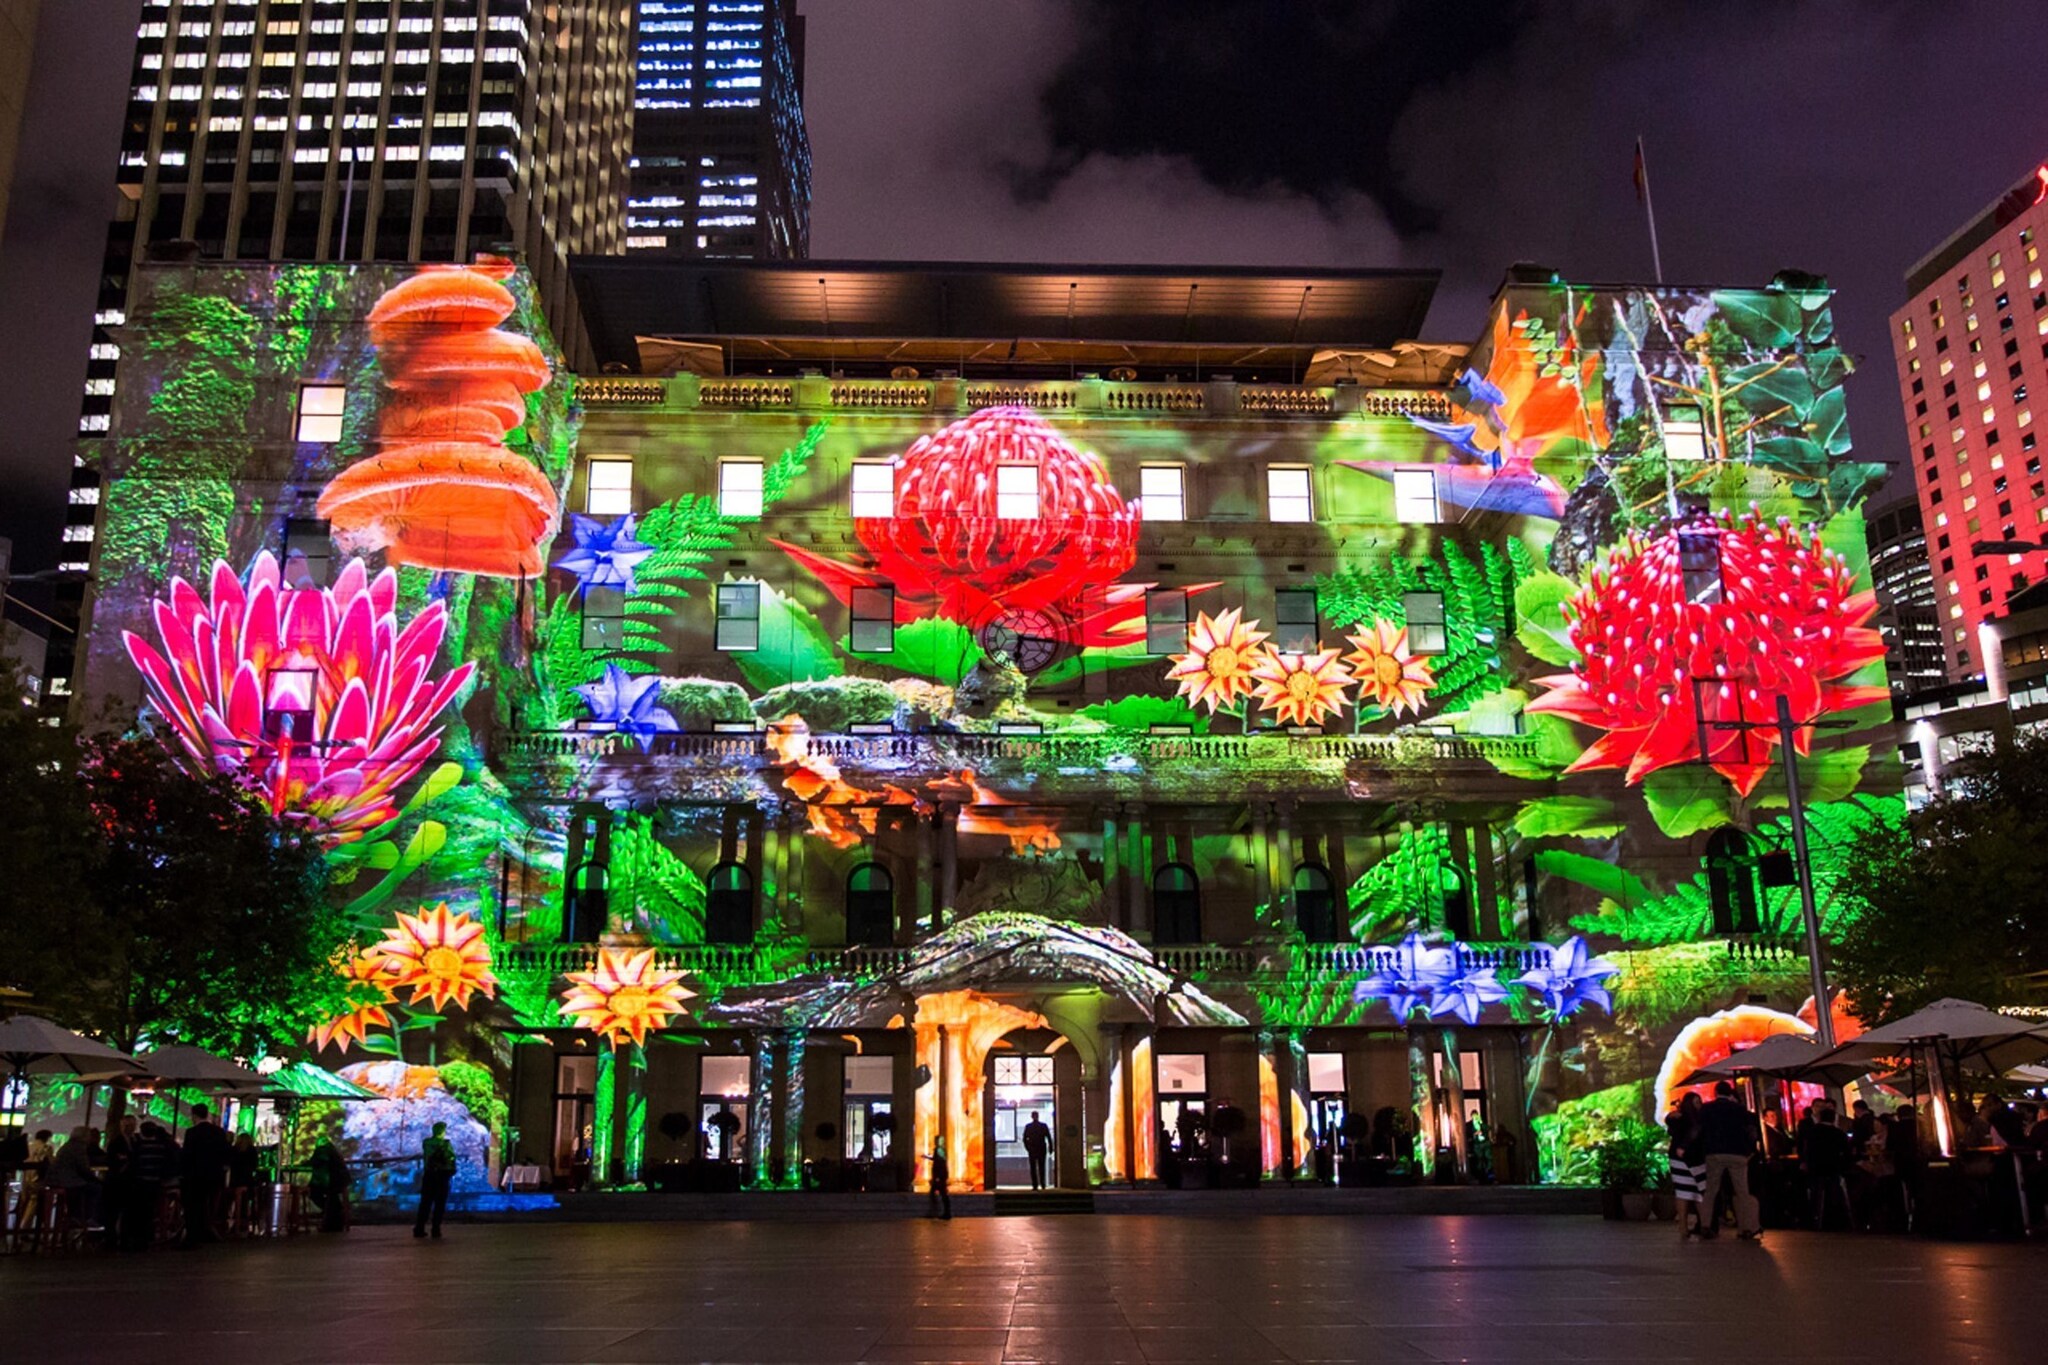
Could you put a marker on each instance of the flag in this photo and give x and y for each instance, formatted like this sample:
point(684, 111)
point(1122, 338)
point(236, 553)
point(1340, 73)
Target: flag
point(1642, 175)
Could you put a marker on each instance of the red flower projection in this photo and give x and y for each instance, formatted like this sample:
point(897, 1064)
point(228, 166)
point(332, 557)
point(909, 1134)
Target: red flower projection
point(442, 491)
point(975, 545)
point(1780, 618)
point(315, 693)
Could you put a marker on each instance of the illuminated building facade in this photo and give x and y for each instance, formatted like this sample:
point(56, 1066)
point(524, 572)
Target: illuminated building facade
point(367, 130)
point(1176, 703)
point(1906, 612)
point(721, 159)
point(1972, 351)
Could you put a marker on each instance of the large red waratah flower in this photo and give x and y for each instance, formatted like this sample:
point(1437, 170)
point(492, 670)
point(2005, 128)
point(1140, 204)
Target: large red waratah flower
point(1785, 619)
point(956, 548)
point(315, 693)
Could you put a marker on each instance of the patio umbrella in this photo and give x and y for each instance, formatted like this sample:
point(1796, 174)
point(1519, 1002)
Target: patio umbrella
point(1785, 1057)
point(32, 1045)
point(1964, 1034)
point(193, 1068)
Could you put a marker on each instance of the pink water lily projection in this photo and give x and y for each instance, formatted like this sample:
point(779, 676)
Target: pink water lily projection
point(316, 693)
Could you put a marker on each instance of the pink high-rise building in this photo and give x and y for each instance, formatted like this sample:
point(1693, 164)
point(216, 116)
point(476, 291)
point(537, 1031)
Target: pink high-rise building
point(1972, 348)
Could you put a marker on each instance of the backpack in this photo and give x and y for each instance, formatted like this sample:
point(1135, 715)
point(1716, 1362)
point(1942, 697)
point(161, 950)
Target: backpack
point(440, 1157)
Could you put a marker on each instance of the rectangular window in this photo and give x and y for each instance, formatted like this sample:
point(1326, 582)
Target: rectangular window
point(1288, 497)
point(874, 488)
point(1017, 492)
point(739, 489)
point(1415, 496)
point(1166, 621)
point(320, 412)
point(610, 490)
point(1424, 613)
point(308, 553)
point(1297, 627)
point(288, 703)
point(1162, 492)
point(739, 617)
point(604, 619)
point(1699, 565)
point(1326, 1073)
point(1685, 435)
point(874, 621)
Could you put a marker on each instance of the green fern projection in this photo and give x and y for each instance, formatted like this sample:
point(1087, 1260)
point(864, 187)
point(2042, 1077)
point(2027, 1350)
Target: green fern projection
point(1403, 890)
point(1479, 596)
point(659, 890)
point(1684, 914)
point(687, 534)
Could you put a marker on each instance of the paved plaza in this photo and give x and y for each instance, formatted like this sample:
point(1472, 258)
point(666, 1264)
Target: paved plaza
point(1136, 1288)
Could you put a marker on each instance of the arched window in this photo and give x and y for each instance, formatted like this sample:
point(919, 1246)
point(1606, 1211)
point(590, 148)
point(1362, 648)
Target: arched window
point(1315, 904)
point(1731, 882)
point(870, 906)
point(1457, 901)
point(1176, 905)
point(729, 906)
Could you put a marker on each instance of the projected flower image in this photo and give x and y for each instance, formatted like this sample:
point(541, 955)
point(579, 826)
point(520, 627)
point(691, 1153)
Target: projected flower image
point(317, 694)
point(366, 970)
point(1223, 649)
point(1388, 673)
point(441, 956)
point(624, 995)
point(628, 704)
point(1300, 689)
point(1572, 979)
point(605, 555)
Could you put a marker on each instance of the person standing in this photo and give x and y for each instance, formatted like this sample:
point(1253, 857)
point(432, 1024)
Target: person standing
point(1037, 1146)
point(156, 1161)
point(327, 1181)
point(1688, 1171)
point(437, 1176)
point(1727, 1141)
point(203, 1176)
point(942, 1179)
point(121, 1144)
point(75, 1170)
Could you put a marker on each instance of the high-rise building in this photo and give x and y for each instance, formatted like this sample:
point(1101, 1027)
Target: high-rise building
point(1904, 582)
point(721, 161)
point(1972, 343)
point(372, 130)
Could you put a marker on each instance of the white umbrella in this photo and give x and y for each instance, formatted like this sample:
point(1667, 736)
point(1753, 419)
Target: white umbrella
point(1785, 1056)
point(1964, 1033)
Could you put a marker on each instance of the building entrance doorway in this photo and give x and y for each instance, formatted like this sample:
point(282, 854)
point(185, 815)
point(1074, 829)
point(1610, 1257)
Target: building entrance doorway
point(1022, 1087)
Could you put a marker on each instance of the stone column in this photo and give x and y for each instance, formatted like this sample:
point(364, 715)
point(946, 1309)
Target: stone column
point(949, 864)
point(1112, 870)
point(760, 1106)
point(1454, 1099)
point(1262, 864)
point(923, 901)
point(1136, 875)
point(1283, 862)
point(631, 1073)
point(790, 1104)
point(604, 1111)
point(793, 898)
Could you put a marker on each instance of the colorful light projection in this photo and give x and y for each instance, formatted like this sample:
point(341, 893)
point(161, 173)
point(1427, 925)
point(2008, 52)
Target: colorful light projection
point(1223, 651)
point(443, 491)
point(1144, 1117)
point(624, 996)
point(628, 704)
point(316, 693)
point(1269, 1119)
point(955, 1031)
point(999, 520)
point(1712, 1037)
point(1571, 980)
point(1388, 673)
point(1300, 689)
point(1767, 613)
point(441, 956)
point(605, 556)
point(1229, 666)
point(1439, 981)
point(367, 970)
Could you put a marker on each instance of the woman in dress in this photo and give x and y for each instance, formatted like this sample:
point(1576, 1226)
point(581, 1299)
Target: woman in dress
point(1688, 1166)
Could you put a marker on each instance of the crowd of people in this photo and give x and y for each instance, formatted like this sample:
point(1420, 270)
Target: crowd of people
point(1832, 1168)
point(139, 1186)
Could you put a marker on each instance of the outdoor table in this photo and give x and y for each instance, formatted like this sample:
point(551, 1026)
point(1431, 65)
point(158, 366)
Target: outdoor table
point(522, 1177)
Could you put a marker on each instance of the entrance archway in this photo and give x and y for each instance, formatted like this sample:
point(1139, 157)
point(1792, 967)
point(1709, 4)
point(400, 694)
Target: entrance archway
point(1032, 1072)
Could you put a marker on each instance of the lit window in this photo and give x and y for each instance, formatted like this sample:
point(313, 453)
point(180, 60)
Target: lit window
point(1287, 493)
point(1699, 565)
point(874, 621)
point(1424, 613)
point(739, 489)
point(1162, 492)
point(1299, 628)
point(604, 619)
point(874, 488)
point(1017, 492)
point(1166, 621)
point(1685, 435)
point(288, 703)
point(739, 617)
point(320, 412)
point(610, 490)
point(308, 553)
point(1415, 495)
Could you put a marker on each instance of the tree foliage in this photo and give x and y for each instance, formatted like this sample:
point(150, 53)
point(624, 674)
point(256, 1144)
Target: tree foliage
point(1959, 909)
point(148, 906)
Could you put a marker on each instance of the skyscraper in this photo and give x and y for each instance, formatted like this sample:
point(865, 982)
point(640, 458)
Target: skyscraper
point(315, 130)
point(1904, 583)
point(721, 161)
point(1971, 344)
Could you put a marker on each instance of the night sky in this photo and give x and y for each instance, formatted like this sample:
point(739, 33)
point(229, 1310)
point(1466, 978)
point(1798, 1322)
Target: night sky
point(1843, 137)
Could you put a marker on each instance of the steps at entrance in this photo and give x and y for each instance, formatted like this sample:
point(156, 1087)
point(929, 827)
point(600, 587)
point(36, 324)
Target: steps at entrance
point(1024, 1203)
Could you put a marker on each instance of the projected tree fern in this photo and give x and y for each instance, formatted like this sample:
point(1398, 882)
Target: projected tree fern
point(1478, 597)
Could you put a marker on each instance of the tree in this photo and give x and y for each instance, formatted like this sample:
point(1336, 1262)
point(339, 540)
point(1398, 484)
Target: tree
point(176, 907)
point(1960, 908)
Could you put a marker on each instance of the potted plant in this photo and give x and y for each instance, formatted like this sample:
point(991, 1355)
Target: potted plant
point(672, 1175)
point(1358, 1166)
point(1228, 1124)
point(1629, 1165)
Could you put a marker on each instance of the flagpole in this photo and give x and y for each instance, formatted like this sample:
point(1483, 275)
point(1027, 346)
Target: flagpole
point(1649, 209)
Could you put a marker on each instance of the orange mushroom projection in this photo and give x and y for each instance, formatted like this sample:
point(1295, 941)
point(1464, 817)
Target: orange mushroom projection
point(442, 490)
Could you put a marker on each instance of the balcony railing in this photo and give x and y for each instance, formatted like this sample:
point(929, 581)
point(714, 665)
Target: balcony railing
point(738, 963)
point(1058, 750)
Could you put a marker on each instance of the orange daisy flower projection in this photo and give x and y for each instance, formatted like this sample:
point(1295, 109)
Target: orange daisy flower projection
point(1301, 689)
point(1222, 651)
point(365, 969)
point(624, 995)
point(1386, 671)
point(441, 954)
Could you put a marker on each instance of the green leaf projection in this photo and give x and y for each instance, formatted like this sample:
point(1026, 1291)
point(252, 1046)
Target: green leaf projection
point(1258, 683)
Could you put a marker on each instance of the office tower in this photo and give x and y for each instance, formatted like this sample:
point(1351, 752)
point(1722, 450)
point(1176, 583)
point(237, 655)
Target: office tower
point(321, 130)
point(1904, 582)
point(721, 161)
point(1972, 344)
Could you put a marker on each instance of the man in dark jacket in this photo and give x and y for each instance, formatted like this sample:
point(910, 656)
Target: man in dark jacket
point(203, 1175)
point(1037, 1146)
point(1728, 1138)
point(437, 1176)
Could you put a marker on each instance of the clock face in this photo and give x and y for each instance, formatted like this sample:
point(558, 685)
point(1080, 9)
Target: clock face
point(1030, 638)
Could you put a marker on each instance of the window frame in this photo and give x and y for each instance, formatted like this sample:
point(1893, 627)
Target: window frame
point(855, 494)
point(730, 622)
point(740, 503)
point(1148, 500)
point(305, 413)
point(1407, 500)
point(1292, 644)
point(880, 617)
point(1413, 620)
point(601, 607)
point(607, 499)
point(1276, 498)
point(1008, 499)
point(296, 528)
point(1159, 623)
